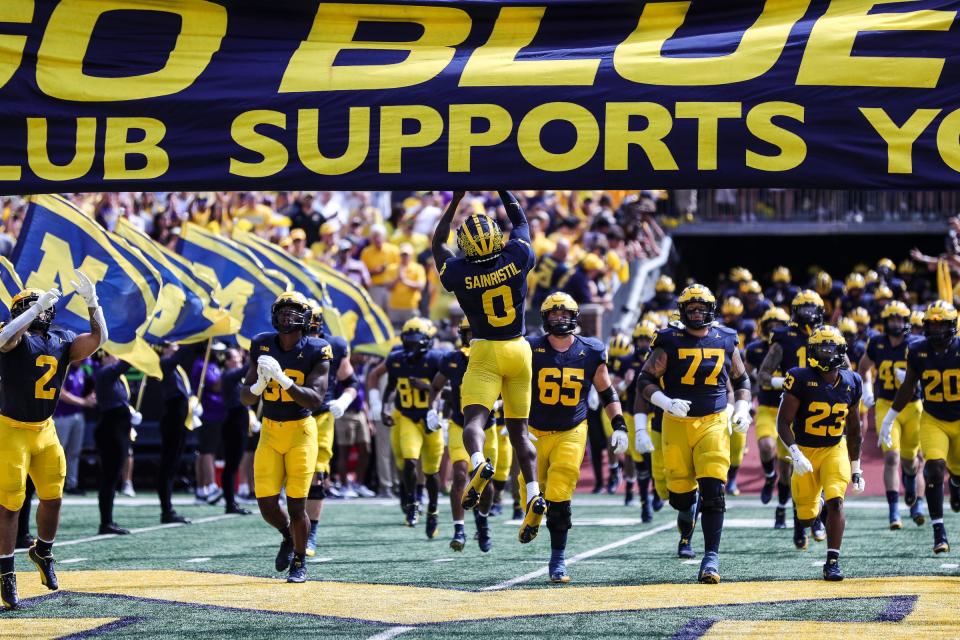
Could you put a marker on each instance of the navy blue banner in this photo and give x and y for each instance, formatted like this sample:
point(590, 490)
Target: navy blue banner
point(479, 94)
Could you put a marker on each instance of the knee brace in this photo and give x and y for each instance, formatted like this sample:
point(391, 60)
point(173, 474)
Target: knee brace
point(683, 501)
point(558, 516)
point(711, 495)
point(317, 492)
point(933, 474)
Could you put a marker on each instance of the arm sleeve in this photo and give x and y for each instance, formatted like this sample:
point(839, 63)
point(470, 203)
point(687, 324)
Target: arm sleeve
point(518, 219)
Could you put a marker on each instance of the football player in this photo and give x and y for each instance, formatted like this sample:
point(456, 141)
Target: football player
point(490, 283)
point(862, 318)
point(768, 400)
point(289, 371)
point(754, 306)
point(819, 423)
point(887, 353)
point(855, 286)
point(641, 444)
point(619, 351)
point(564, 367)
point(782, 291)
point(664, 297)
point(341, 371)
point(731, 312)
point(34, 360)
point(934, 359)
point(788, 349)
point(695, 362)
point(453, 365)
point(416, 426)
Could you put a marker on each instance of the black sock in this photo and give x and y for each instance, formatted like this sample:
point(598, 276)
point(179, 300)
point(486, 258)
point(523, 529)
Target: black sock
point(732, 472)
point(768, 467)
point(833, 555)
point(643, 488)
point(711, 513)
point(934, 495)
point(44, 548)
point(685, 522)
point(285, 532)
point(893, 497)
point(299, 557)
point(6, 564)
point(909, 481)
point(783, 493)
point(433, 491)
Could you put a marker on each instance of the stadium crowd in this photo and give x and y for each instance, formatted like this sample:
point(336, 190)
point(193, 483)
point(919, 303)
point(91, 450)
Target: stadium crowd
point(584, 242)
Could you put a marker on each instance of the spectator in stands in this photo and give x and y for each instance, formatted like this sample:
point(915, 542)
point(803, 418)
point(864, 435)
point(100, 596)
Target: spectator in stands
point(349, 266)
point(298, 245)
point(582, 284)
point(405, 234)
point(303, 216)
point(408, 278)
point(380, 256)
point(68, 418)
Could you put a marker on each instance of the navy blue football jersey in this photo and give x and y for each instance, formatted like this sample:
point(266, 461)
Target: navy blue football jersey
point(297, 363)
point(453, 365)
point(492, 293)
point(821, 419)
point(32, 374)
point(698, 368)
point(887, 359)
point(754, 354)
point(340, 350)
point(561, 381)
point(410, 401)
point(939, 377)
point(855, 352)
point(793, 340)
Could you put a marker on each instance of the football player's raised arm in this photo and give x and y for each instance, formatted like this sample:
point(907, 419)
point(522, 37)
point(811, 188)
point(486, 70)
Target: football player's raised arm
point(789, 405)
point(86, 344)
point(854, 433)
point(906, 389)
point(310, 395)
point(739, 381)
point(769, 365)
point(442, 253)
point(517, 218)
point(653, 370)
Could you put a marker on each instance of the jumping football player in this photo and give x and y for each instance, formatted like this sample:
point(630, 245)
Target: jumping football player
point(935, 359)
point(819, 423)
point(788, 350)
point(34, 360)
point(490, 283)
point(289, 370)
point(452, 367)
point(768, 400)
point(695, 361)
point(887, 353)
point(565, 366)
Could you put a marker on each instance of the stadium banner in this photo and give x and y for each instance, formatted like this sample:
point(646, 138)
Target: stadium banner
point(10, 285)
point(477, 94)
point(56, 239)
point(243, 286)
point(187, 310)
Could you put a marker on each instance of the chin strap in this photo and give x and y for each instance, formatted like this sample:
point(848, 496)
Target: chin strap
point(102, 323)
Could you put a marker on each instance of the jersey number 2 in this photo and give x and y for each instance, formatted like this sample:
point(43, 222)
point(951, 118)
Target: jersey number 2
point(506, 296)
point(40, 390)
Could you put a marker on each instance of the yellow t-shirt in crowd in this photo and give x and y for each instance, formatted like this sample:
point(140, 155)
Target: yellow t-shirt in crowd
point(402, 296)
point(374, 259)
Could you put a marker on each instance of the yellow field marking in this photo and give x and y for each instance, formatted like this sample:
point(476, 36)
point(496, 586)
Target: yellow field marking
point(404, 605)
point(48, 628)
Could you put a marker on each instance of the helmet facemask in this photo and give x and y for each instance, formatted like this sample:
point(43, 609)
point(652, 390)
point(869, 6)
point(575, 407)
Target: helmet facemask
point(826, 356)
point(939, 332)
point(290, 318)
point(42, 322)
point(697, 314)
point(809, 315)
point(559, 322)
point(895, 326)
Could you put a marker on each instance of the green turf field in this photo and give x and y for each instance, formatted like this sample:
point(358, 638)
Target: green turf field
point(374, 577)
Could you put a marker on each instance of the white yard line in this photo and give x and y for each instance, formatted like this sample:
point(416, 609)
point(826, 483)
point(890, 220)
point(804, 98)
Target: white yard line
point(109, 536)
point(197, 560)
point(582, 556)
point(392, 632)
